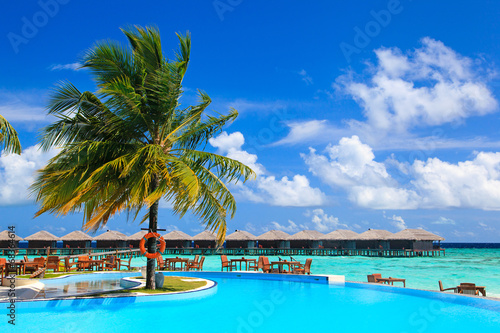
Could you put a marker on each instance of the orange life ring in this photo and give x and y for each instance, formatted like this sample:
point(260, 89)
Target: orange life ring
point(142, 246)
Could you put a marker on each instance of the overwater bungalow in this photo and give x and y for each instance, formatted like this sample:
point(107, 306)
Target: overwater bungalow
point(177, 239)
point(111, 239)
point(340, 239)
point(274, 239)
point(42, 239)
point(76, 239)
point(373, 239)
point(6, 240)
point(240, 239)
point(136, 238)
point(205, 239)
point(414, 239)
point(308, 239)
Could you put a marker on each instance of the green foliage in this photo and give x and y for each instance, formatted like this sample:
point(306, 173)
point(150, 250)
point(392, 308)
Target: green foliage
point(118, 142)
point(8, 137)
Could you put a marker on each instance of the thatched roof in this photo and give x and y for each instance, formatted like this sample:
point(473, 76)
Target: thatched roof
point(273, 235)
point(111, 235)
point(4, 236)
point(307, 235)
point(206, 235)
point(374, 234)
point(42, 236)
point(341, 235)
point(137, 236)
point(416, 235)
point(177, 235)
point(240, 235)
point(76, 235)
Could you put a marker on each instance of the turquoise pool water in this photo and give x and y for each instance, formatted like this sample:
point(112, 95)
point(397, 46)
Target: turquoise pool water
point(479, 266)
point(249, 305)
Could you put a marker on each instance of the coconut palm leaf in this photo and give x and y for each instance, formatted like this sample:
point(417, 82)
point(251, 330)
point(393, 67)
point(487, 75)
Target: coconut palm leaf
point(8, 137)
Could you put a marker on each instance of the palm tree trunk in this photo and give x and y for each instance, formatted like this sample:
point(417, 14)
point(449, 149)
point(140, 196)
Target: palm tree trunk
point(153, 225)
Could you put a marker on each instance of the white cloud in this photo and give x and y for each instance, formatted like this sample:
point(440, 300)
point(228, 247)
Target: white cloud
point(23, 107)
point(444, 220)
point(351, 165)
point(73, 66)
point(397, 222)
point(430, 86)
point(267, 189)
point(309, 131)
point(305, 77)
point(17, 174)
point(290, 228)
point(323, 222)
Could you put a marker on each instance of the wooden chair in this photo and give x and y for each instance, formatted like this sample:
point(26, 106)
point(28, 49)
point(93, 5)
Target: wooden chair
point(70, 266)
point(373, 278)
point(455, 290)
point(110, 263)
point(303, 269)
point(33, 266)
point(82, 264)
point(53, 263)
point(254, 266)
point(196, 259)
point(161, 263)
point(196, 265)
point(266, 266)
point(227, 264)
point(468, 289)
point(127, 265)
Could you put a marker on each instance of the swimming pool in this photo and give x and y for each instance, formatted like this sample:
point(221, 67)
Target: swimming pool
point(244, 302)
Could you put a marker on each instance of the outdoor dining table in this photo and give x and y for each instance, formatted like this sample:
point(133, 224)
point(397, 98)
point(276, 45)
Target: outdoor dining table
point(172, 263)
point(90, 264)
point(18, 265)
point(243, 260)
point(481, 289)
point(282, 263)
point(391, 281)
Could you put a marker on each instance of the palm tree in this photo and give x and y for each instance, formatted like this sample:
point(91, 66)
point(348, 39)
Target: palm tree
point(131, 144)
point(8, 137)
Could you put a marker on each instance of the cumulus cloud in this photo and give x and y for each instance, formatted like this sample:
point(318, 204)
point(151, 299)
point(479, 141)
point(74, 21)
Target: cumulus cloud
point(324, 222)
point(431, 85)
point(351, 166)
point(17, 174)
point(403, 91)
point(290, 228)
point(295, 191)
point(397, 221)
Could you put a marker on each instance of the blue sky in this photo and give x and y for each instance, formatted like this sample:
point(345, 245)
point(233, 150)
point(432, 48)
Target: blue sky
point(359, 114)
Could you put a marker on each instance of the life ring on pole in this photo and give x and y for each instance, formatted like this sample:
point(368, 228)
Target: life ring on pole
point(142, 246)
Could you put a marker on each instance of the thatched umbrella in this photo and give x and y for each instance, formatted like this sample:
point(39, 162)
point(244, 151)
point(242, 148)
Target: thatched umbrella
point(240, 239)
point(416, 239)
point(77, 239)
point(136, 238)
point(111, 239)
point(205, 239)
point(373, 239)
point(42, 239)
point(6, 240)
point(340, 239)
point(306, 239)
point(177, 239)
point(274, 239)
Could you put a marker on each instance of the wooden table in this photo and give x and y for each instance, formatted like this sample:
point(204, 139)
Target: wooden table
point(90, 264)
point(391, 280)
point(243, 260)
point(481, 289)
point(280, 265)
point(18, 265)
point(172, 263)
